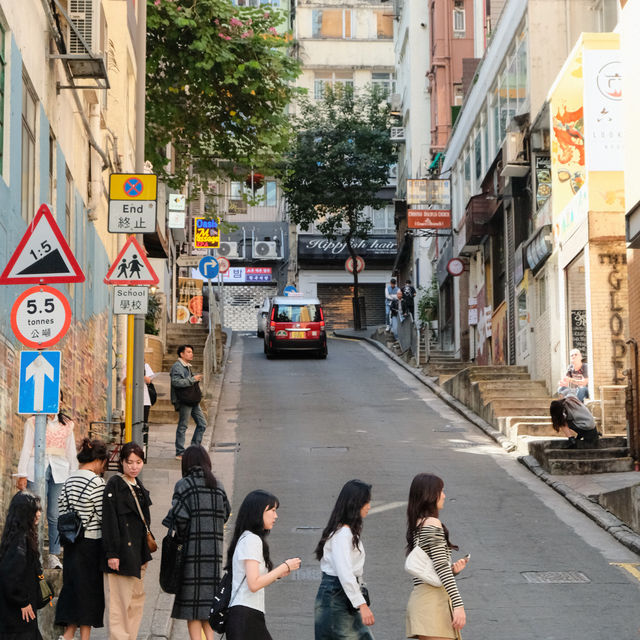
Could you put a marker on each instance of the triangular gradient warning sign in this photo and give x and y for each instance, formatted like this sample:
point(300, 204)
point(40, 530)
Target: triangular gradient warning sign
point(131, 266)
point(42, 255)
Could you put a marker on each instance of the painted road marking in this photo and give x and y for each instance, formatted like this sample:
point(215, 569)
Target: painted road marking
point(631, 567)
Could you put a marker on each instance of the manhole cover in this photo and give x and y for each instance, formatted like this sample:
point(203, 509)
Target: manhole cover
point(311, 575)
point(555, 577)
point(327, 450)
point(226, 447)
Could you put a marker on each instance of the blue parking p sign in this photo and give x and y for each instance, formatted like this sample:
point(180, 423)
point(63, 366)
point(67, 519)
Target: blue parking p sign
point(39, 382)
point(208, 267)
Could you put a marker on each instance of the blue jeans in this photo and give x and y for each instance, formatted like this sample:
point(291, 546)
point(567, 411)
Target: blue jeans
point(335, 618)
point(186, 410)
point(581, 392)
point(53, 490)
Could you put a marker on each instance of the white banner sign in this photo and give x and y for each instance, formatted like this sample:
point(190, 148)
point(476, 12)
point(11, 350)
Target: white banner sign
point(603, 115)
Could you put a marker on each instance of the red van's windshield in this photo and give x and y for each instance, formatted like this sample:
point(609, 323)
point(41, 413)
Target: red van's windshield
point(297, 313)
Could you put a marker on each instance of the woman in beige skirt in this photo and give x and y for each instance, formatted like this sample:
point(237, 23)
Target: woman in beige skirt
point(433, 613)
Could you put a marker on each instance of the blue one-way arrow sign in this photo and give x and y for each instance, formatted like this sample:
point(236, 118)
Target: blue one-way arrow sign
point(209, 267)
point(39, 390)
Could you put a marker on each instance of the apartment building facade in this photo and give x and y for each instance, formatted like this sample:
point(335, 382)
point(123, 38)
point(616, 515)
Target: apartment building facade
point(532, 237)
point(347, 44)
point(65, 124)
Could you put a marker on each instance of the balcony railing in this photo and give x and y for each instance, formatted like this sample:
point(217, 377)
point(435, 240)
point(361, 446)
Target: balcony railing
point(475, 224)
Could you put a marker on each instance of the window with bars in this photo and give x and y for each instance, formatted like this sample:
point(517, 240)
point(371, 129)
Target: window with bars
point(332, 79)
point(458, 18)
point(29, 115)
point(386, 82)
point(331, 23)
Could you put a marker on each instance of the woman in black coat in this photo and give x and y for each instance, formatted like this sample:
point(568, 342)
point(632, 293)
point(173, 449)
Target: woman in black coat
point(198, 512)
point(124, 539)
point(19, 570)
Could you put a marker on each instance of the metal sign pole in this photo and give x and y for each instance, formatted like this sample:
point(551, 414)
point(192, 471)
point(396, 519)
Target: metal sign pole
point(128, 415)
point(40, 445)
point(220, 294)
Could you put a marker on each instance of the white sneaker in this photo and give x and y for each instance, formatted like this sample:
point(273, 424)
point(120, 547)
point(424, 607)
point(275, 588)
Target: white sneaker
point(52, 562)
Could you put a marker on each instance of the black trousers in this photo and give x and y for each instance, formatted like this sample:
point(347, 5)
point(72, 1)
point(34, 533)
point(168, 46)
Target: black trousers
point(245, 623)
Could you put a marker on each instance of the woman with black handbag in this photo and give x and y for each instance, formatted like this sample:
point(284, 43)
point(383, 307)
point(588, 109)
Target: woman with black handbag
point(342, 608)
point(125, 532)
point(81, 601)
point(198, 512)
point(19, 570)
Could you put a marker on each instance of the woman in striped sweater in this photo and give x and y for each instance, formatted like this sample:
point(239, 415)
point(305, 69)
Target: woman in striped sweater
point(433, 613)
point(81, 601)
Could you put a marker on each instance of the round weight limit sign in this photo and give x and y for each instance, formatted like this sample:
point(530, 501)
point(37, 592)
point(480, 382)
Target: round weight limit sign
point(40, 317)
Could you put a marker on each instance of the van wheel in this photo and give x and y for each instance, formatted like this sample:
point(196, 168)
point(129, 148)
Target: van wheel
point(322, 354)
point(268, 352)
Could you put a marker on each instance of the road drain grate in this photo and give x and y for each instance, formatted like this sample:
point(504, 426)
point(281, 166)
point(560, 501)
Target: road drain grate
point(465, 445)
point(327, 450)
point(555, 577)
point(307, 529)
point(226, 447)
point(447, 428)
point(306, 574)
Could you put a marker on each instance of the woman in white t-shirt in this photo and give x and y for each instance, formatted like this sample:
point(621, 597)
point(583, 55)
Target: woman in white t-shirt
point(250, 563)
point(342, 610)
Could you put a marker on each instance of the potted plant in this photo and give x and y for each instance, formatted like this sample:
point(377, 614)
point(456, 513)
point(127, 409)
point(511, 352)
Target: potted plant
point(428, 302)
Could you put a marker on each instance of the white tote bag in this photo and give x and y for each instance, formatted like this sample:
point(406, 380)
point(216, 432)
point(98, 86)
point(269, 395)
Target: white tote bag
point(419, 565)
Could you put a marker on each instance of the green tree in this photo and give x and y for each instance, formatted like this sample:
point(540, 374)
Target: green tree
point(338, 163)
point(219, 79)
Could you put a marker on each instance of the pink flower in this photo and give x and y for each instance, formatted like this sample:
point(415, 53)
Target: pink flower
point(157, 3)
point(224, 37)
point(266, 14)
point(216, 21)
point(273, 30)
point(246, 34)
point(234, 22)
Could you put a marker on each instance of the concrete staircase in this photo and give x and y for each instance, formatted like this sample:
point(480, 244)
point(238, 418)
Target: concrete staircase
point(443, 365)
point(610, 456)
point(506, 397)
point(162, 411)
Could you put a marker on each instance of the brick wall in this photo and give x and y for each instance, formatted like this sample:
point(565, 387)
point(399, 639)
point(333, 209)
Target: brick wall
point(84, 385)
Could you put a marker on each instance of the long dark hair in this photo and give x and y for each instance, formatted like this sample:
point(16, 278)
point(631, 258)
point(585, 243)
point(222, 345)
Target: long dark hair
point(63, 418)
point(21, 522)
point(423, 503)
point(251, 518)
point(91, 450)
point(353, 496)
point(197, 456)
point(558, 413)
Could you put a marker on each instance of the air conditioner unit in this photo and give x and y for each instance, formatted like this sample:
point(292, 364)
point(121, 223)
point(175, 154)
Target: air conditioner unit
point(229, 250)
point(514, 156)
point(397, 134)
point(85, 16)
point(393, 174)
point(395, 103)
point(263, 249)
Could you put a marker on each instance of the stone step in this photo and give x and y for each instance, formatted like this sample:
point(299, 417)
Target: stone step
point(588, 454)
point(497, 385)
point(569, 466)
point(479, 376)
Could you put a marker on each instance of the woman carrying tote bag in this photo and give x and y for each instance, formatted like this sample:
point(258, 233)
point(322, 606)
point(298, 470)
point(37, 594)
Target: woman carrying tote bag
point(198, 512)
point(341, 609)
point(433, 613)
point(249, 561)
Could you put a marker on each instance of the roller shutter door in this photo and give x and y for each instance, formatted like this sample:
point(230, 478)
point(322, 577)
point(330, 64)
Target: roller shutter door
point(336, 301)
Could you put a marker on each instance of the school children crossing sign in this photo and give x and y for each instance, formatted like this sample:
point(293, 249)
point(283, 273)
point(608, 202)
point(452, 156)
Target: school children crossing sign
point(131, 266)
point(42, 255)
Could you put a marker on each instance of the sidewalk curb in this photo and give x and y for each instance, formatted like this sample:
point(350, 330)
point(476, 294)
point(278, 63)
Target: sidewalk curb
point(603, 518)
point(162, 622)
point(462, 409)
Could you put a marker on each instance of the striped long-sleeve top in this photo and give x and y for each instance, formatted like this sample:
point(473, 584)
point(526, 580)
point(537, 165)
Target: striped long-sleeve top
point(432, 541)
point(88, 505)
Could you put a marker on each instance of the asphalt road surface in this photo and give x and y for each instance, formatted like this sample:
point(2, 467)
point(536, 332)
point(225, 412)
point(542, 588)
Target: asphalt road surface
point(539, 569)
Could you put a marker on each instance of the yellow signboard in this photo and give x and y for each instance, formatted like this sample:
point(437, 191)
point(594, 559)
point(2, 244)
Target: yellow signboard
point(206, 233)
point(133, 186)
